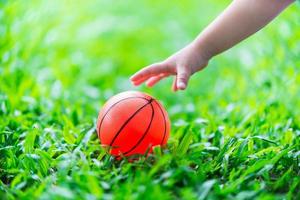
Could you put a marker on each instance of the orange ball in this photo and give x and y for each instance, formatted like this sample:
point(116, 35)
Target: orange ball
point(131, 123)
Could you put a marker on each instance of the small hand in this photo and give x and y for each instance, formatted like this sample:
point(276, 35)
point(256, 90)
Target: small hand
point(182, 65)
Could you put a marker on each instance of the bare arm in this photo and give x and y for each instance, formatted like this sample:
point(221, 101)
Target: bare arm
point(240, 20)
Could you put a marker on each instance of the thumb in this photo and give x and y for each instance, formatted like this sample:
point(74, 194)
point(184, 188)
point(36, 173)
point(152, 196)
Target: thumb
point(183, 76)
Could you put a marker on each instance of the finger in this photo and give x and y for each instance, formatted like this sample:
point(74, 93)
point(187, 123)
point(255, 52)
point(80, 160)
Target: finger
point(149, 71)
point(174, 85)
point(153, 80)
point(183, 75)
point(140, 81)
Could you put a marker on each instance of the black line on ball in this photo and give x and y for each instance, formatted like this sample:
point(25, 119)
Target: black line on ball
point(146, 131)
point(112, 107)
point(165, 130)
point(128, 120)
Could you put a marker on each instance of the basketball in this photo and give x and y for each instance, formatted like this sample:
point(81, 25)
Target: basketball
point(132, 123)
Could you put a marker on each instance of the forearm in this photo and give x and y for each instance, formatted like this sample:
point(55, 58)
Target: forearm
point(240, 20)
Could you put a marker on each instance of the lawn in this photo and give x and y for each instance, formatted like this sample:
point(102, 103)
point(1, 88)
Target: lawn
point(235, 131)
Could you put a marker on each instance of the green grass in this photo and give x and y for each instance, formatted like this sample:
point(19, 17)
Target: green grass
point(235, 130)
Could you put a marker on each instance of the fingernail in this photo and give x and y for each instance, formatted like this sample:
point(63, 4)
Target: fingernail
point(181, 85)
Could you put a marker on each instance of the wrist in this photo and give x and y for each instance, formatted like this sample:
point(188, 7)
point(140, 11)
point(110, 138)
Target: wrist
point(202, 49)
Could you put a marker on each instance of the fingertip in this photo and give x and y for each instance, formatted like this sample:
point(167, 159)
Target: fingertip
point(174, 84)
point(174, 88)
point(148, 83)
point(181, 85)
point(133, 78)
point(135, 83)
point(138, 75)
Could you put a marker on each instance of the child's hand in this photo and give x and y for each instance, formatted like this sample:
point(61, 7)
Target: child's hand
point(240, 20)
point(182, 65)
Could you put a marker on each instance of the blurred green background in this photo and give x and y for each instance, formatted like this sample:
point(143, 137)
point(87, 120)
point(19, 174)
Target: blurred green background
point(61, 60)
